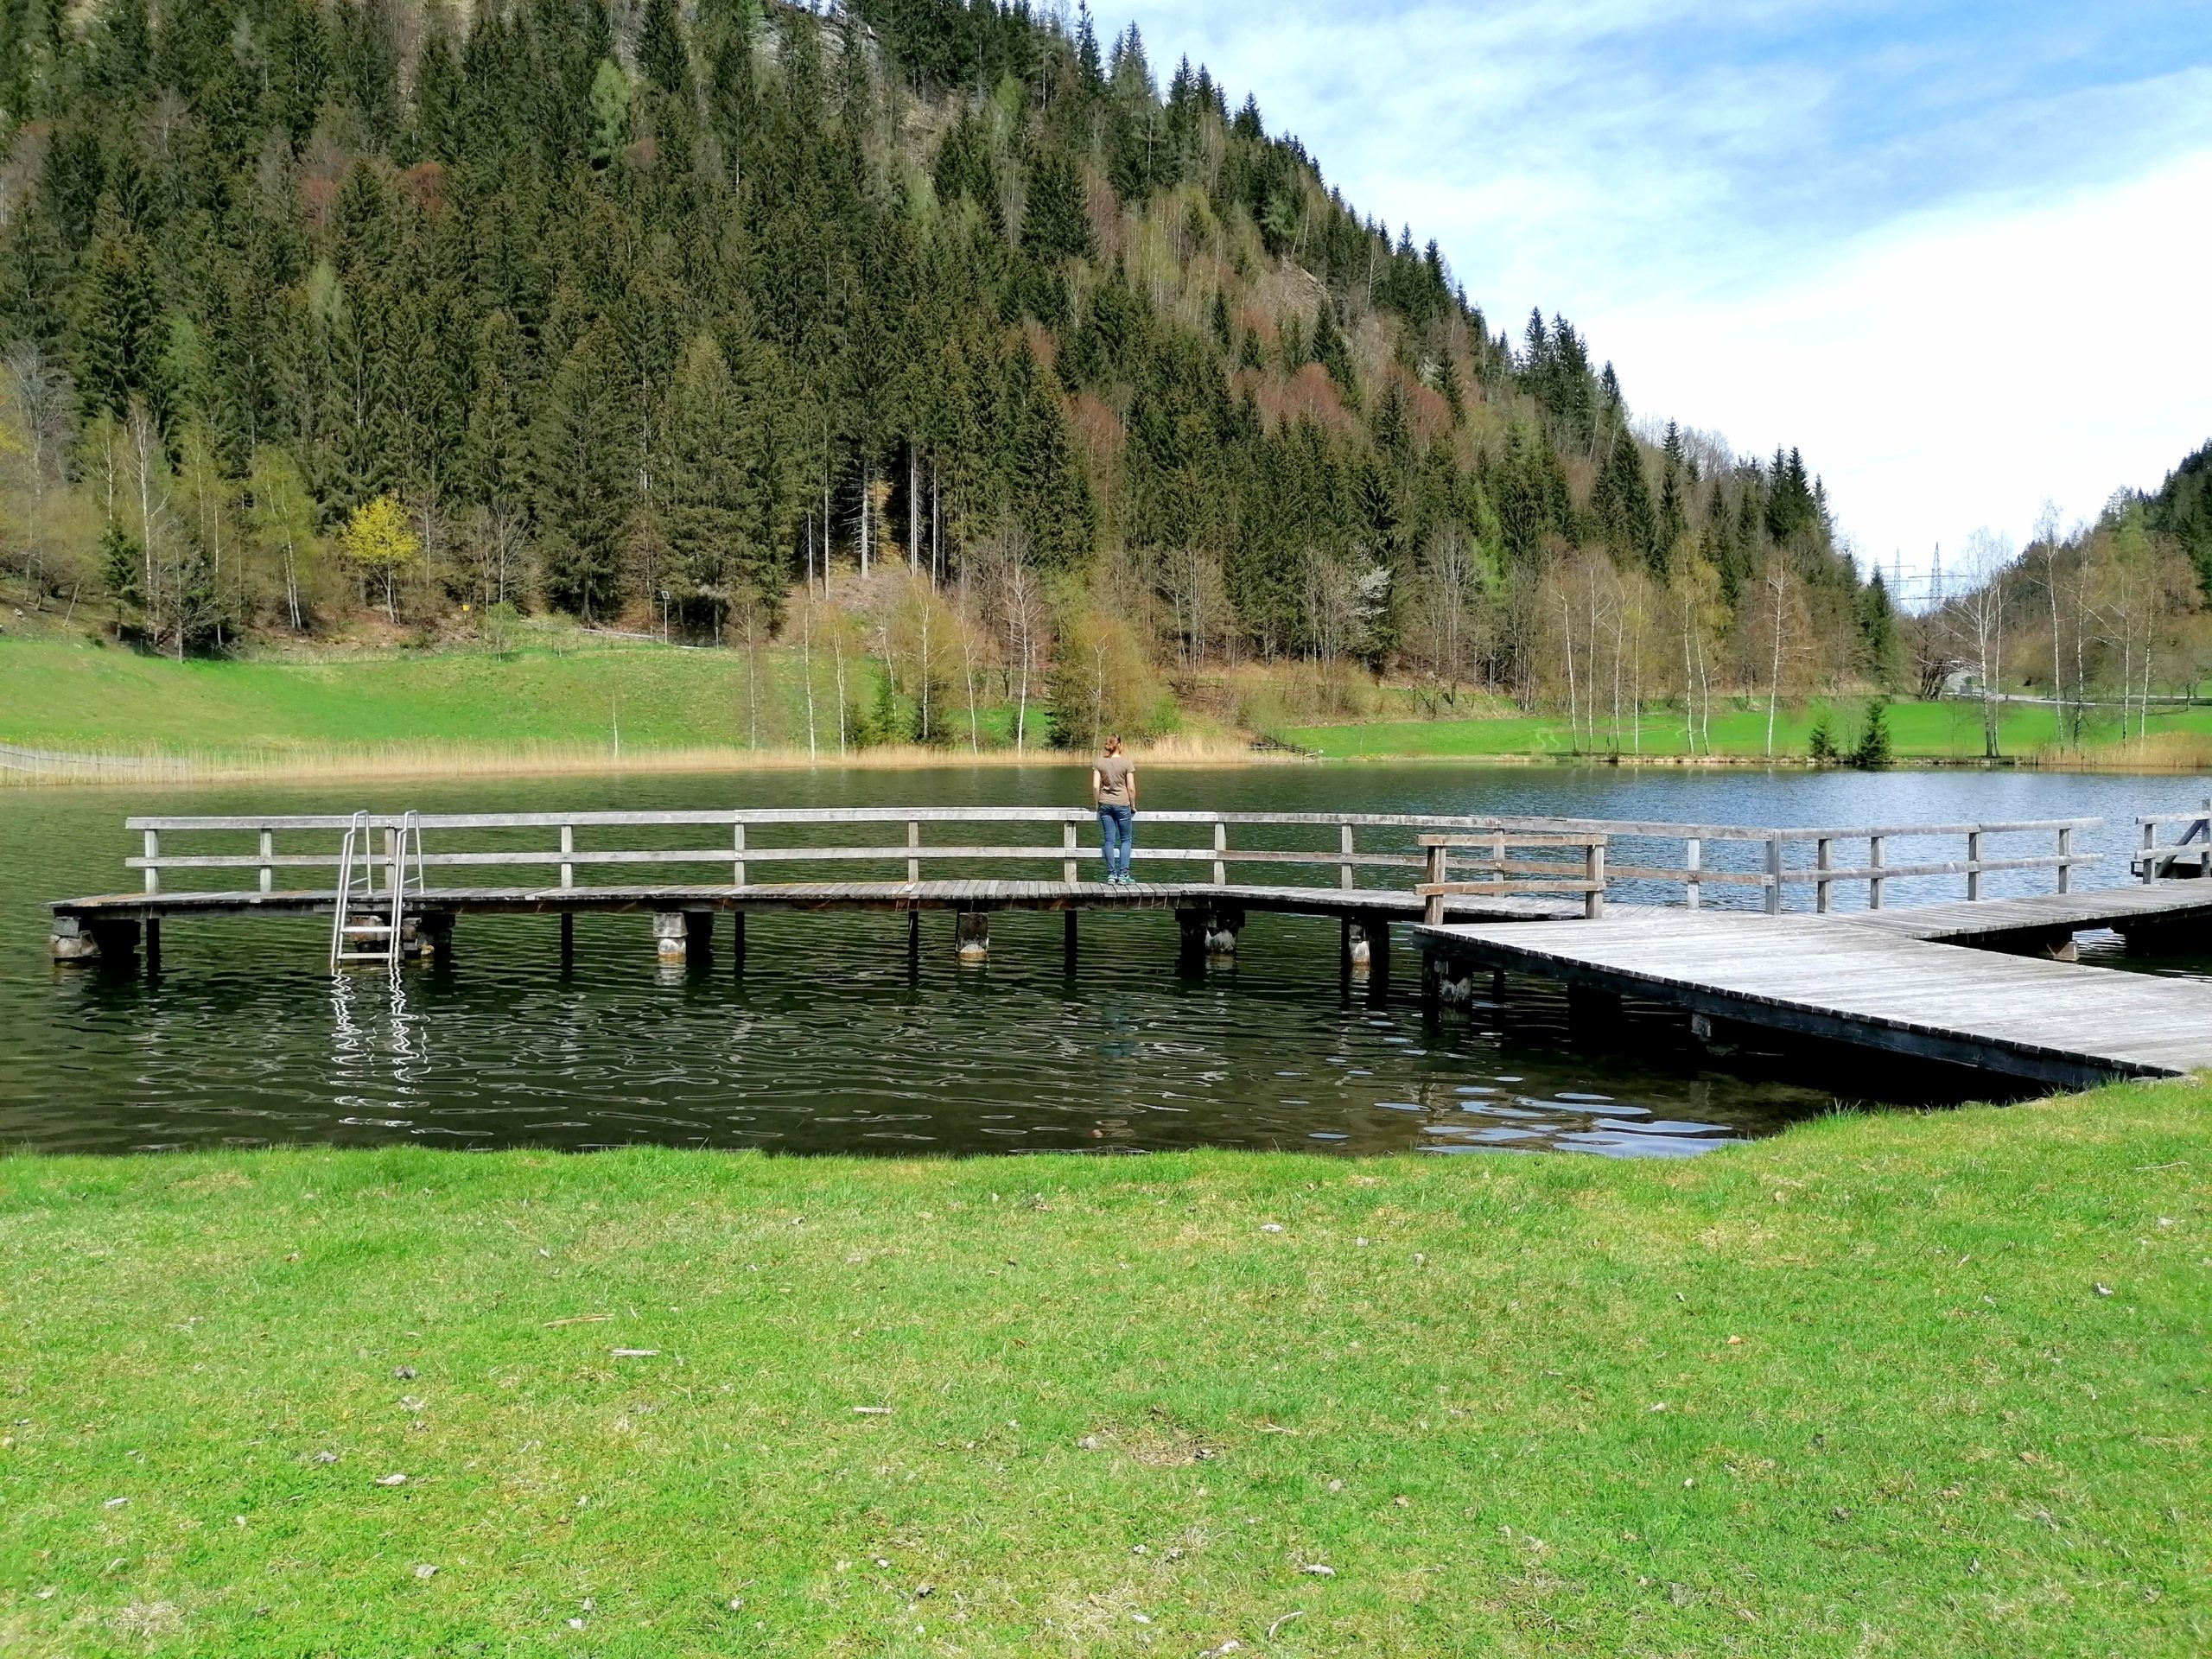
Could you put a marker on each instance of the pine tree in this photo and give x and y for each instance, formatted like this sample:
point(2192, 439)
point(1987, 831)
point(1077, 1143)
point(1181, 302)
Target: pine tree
point(119, 327)
point(583, 495)
point(662, 56)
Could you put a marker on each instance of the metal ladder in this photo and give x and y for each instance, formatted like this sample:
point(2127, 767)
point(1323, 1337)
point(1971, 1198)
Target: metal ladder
point(375, 938)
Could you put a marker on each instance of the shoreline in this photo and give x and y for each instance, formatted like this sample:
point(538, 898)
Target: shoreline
point(25, 767)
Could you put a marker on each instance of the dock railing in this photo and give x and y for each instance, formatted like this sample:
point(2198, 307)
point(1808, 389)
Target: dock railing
point(1359, 850)
point(1813, 856)
point(1348, 849)
point(1497, 873)
point(2153, 861)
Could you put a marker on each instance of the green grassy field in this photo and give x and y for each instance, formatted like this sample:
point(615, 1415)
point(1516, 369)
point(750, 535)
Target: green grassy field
point(565, 696)
point(1890, 1385)
point(82, 697)
point(1918, 731)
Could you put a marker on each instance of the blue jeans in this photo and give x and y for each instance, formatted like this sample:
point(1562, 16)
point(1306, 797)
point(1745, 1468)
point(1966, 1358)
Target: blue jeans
point(1116, 835)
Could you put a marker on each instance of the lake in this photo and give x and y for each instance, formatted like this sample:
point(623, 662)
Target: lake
point(825, 1042)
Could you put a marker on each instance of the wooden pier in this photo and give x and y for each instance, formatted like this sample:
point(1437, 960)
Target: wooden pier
point(1614, 908)
point(1368, 864)
point(1854, 980)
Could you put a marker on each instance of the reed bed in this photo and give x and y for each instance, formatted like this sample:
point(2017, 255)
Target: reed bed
point(23, 767)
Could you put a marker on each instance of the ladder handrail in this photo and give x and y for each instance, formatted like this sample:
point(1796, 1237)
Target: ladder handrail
point(355, 832)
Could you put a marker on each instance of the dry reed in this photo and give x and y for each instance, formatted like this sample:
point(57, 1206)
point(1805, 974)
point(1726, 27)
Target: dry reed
point(32, 767)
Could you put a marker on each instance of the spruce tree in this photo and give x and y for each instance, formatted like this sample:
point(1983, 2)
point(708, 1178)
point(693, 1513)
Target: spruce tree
point(662, 56)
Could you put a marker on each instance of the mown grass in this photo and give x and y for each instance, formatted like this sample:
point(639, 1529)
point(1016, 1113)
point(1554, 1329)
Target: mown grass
point(67, 697)
point(1891, 1385)
point(1931, 731)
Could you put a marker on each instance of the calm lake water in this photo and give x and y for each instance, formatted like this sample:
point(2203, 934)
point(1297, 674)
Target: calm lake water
point(826, 1042)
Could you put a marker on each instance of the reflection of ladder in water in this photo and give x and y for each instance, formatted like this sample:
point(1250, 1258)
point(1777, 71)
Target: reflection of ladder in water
point(370, 920)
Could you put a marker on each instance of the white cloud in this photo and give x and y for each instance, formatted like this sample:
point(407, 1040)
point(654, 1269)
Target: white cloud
point(1957, 257)
point(1953, 371)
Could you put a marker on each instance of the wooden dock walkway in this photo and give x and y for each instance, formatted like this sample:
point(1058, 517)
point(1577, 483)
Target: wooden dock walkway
point(1489, 892)
point(1857, 980)
point(2046, 920)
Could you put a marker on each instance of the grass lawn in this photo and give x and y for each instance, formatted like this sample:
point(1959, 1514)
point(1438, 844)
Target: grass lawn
point(84, 697)
point(1895, 1385)
point(1918, 731)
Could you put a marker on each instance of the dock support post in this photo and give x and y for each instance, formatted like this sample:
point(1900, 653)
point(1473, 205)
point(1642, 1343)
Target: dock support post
point(82, 939)
point(737, 938)
point(1447, 984)
point(679, 935)
point(1355, 946)
point(434, 933)
point(153, 945)
point(1210, 932)
point(1068, 936)
point(568, 937)
point(913, 940)
point(1378, 959)
point(974, 927)
point(70, 940)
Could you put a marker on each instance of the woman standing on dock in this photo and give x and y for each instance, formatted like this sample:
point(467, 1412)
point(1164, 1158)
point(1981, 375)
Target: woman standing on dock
point(1114, 793)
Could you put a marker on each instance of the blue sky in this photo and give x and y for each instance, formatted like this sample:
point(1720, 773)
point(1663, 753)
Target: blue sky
point(1959, 253)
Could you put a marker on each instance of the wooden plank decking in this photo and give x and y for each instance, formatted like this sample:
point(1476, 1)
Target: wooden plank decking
point(1995, 920)
point(1836, 978)
point(1356, 903)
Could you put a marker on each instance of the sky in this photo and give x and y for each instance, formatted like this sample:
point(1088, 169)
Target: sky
point(1959, 253)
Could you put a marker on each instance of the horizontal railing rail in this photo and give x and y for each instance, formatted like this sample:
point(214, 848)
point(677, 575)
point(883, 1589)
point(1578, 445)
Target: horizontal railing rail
point(1505, 875)
point(1396, 846)
point(2153, 860)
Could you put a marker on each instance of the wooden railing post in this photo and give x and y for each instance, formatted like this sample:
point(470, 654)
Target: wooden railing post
point(1439, 861)
point(2065, 852)
point(1693, 861)
point(737, 863)
point(568, 846)
point(1593, 871)
point(1220, 846)
point(1774, 875)
point(268, 867)
point(1067, 844)
point(913, 839)
point(1344, 846)
point(2150, 846)
point(1873, 862)
point(153, 851)
point(1973, 864)
point(1821, 884)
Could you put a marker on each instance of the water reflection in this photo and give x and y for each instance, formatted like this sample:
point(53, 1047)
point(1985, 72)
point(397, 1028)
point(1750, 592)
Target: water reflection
point(829, 1037)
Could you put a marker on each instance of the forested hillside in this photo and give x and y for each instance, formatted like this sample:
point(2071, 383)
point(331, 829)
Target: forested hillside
point(942, 330)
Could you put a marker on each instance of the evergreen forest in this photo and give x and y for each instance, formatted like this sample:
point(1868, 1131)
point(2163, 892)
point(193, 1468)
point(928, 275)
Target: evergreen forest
point(948, 330)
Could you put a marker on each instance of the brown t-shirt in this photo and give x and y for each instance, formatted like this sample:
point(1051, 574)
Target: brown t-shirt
point(1114, 772)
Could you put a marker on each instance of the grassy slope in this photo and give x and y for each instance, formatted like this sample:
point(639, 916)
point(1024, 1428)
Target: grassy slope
point(69, 696)
point(1503, 1398)
point(1917, 730)
point(78, 697)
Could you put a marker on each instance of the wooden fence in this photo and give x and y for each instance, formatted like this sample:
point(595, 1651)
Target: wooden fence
point(1389, 849)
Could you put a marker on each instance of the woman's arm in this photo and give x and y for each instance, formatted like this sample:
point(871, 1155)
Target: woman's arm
point(1096, 784)
point(1133, 789)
